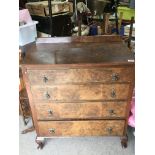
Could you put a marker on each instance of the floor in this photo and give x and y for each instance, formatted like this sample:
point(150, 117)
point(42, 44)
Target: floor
point(74, 146)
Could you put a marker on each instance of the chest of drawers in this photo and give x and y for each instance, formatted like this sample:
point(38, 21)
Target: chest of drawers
point(79, 86)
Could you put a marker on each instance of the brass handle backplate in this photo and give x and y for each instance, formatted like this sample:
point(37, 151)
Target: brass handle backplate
point(112, 112)
point(52, 131)
point(110, 130)
point(115, 77)
point(50, 112)
point(47, 95)
point(45, 79)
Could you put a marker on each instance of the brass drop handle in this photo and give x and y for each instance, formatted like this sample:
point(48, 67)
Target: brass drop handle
point(115, 77)
point(110, 130)
point(112, 112)
point(52, 131)
point(45, 79)
point(47, 95)
point(113, 93)
point(50, 112)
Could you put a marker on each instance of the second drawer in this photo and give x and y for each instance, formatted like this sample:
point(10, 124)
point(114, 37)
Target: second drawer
point(86, 110)
point(70, 92)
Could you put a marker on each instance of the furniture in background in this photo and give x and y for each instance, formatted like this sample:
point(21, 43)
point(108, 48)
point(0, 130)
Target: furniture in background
point(127, 13)
point(23, 102)
point(129, 35)
point(27, 34)
point(100, 10)
point(22, 4)
point(54, 17)
point(61, 24)
point(27, 28)
point(79, 86)
point(24, 107)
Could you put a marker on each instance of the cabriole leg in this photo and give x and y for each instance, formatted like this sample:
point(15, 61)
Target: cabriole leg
point(40, 141)
point(124, 141)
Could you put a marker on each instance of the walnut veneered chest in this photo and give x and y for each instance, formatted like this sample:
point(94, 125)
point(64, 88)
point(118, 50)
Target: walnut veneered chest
point(79, 86)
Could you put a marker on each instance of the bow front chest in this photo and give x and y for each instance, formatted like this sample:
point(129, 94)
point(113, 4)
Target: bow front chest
point(79, 86)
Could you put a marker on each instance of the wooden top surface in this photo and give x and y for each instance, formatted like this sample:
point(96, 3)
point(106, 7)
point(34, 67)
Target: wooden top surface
point(77, 50)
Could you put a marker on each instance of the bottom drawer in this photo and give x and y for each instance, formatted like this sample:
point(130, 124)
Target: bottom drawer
point(81, 128)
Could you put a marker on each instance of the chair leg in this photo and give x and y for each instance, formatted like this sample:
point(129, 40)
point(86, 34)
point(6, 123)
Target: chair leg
point(130, 32)
point(28, 130)
point(21, 110)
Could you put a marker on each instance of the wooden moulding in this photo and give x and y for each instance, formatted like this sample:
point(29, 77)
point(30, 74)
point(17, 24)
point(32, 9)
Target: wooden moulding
point(76, 66)
point(81, 39)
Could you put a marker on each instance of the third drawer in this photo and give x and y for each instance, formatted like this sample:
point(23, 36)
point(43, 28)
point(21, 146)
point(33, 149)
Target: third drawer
point(86, 110)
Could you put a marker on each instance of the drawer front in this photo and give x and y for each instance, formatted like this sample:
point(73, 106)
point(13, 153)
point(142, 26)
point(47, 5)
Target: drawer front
point(62, 76)
point(81, 128)
point(80, 92)
point(86, 110)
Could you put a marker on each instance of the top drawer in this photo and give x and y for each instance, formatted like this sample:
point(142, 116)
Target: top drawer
point(63, 76)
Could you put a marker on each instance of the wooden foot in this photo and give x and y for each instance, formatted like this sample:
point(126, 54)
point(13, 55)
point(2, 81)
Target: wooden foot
point(40, 141)
point(28, 130)
point(124, 141)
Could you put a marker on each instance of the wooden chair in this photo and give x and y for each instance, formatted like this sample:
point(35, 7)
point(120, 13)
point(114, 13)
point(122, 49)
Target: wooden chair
point(24, 108)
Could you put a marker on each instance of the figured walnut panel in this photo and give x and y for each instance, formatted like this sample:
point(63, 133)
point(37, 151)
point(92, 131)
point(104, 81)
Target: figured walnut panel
point(62, 76)
point(81, 128)
point(86, 110)
point(80, 92)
